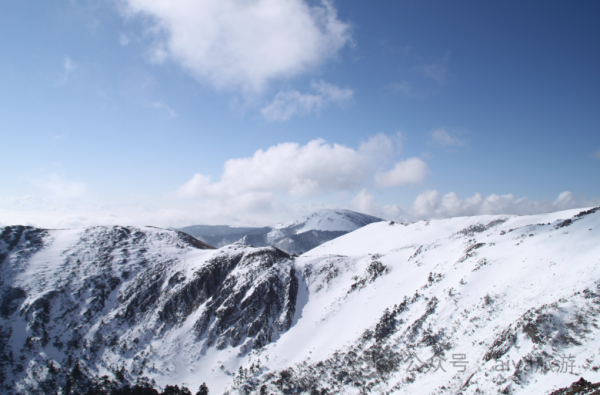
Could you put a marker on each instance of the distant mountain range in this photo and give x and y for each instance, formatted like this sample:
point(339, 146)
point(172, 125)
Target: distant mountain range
point(294, 237)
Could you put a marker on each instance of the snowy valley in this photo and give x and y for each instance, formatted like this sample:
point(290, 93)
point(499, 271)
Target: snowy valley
point(471, 305)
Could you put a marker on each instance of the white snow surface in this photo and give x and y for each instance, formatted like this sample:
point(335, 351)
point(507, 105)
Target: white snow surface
point(490, 289)
point(329, 220)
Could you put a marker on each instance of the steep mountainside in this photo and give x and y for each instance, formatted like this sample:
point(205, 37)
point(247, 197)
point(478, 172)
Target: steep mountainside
point(472, 305)
point(103, 298)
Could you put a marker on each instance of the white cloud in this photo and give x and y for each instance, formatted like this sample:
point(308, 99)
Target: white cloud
point(238, 44)
point(290, 103)
point(442, 137)
point(315, 168)
point(59, 186)
point(432, 205)
point(409, 171)
point(364, 202)
point(597, 155)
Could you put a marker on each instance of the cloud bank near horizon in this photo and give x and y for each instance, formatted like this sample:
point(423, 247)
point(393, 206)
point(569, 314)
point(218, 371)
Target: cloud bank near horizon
point(430, 205)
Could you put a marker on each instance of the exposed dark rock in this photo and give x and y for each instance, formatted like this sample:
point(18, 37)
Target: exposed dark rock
point(479, 228)
point(580, 387)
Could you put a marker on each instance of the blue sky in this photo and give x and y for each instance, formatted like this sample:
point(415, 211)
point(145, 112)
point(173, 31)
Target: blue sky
point(152, 111)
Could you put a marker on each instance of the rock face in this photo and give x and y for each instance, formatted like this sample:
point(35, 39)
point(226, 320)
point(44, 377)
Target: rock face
point(295, 237)
point(472, 305)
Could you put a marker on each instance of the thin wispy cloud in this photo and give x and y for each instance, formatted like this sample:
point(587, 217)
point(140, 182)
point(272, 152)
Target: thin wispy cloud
point(387, 47)
point(58, 186)
point(436, 71)
point(420, 79)
point(139, 87)
point(243, 46)
point(597, 155)
point(58, 137)
point(164, 108)
point(124, 39)
point(443, 138)
point(288, 104)
point(68, 66)
point(410, 90)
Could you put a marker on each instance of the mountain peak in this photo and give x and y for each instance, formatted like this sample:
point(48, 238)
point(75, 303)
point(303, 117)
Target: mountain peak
point(331, 220)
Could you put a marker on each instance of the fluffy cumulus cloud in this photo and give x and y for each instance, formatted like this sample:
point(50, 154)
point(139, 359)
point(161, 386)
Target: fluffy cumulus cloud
point(433, 205)
point(313, 169)
point(240, 44)
point(410, 171)
point(290, 103)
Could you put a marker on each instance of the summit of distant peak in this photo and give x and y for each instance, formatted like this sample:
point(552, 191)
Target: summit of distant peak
point(329, 220)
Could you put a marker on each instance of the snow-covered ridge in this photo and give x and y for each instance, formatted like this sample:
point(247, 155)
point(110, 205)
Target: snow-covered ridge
point(471, 305)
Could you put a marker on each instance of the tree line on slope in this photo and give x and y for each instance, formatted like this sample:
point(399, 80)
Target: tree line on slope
point(77, 382)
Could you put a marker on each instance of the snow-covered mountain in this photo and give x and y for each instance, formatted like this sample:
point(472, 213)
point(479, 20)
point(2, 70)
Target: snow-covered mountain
point(471, 305)
point(294, 237)
point(303, 234)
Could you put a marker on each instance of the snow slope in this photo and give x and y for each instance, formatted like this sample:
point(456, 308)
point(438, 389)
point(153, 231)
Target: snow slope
point(471, 305)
